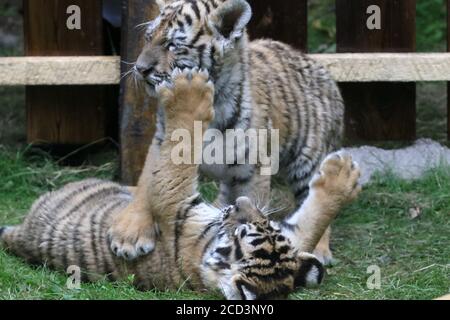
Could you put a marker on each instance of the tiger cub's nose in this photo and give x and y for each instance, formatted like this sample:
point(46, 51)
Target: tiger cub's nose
point(244, 203)
point(144, 70)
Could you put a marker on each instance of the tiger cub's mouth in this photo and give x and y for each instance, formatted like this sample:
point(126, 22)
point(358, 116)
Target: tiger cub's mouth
point(151, 80)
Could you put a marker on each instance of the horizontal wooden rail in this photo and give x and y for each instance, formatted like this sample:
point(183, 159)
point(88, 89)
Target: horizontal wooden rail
point(358, 67)
point(390, 67)
point(86, 70)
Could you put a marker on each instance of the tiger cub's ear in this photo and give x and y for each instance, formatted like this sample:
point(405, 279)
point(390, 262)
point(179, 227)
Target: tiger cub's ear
point(163, 3)
point(229, 20)
point(310, 272)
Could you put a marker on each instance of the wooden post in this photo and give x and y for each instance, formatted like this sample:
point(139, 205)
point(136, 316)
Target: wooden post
point(284, 20)
point(62, 114)
point(378, 111)
point(137, 110)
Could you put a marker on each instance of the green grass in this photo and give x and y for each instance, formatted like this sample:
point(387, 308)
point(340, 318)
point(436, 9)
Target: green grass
point(413, 254)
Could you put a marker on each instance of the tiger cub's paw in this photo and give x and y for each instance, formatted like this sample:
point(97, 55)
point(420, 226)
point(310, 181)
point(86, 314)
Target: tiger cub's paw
point(324, 255)
point(337, 179)
point(132, 234)
point(190, 95)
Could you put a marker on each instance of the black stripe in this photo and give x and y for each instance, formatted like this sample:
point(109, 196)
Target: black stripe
point(179, 226)
point(278, 264)
point(231, 123)
point(292, 107)
point(213, 63)
point(301, 81)
point(45, 252)
point(188, 19)
point(206, 230)
point(214, 3)
point(305, 268)
point(207, 245)
point(240, 284)
point(94, 242)
point(222, 265)
point(78, 242)
point(208, 9)
point(195, 9)
point(265, 255)
point(236, 181)
point(2, 230)
point(83, 202)
point(300, 193)
point(284, 249)
point(262, 56)
point(277, 274)
point(224, 251)
point(201, 51)
point(196, 38)
point(108, 206)
point(259, 241)
point(237, 250)
point(180, 38)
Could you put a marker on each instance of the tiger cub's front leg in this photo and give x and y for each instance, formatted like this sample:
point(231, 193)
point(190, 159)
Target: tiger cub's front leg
point(133, 231)
point(189, 99)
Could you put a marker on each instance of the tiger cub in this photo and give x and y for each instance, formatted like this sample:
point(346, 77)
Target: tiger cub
point(237, 251)
point(262, 84)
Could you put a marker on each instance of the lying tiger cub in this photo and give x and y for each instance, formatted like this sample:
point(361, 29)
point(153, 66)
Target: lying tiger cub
point(237, 251)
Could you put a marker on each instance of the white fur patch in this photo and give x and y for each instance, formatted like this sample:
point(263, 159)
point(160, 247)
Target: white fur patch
point(312, 278)
point(248, 294)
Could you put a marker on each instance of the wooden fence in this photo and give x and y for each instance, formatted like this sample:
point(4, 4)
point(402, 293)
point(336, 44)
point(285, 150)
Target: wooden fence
point(377, 70)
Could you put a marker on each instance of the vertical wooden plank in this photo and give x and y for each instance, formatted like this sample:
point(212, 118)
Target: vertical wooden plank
point(378, 111)
point(137, 110)
point(284, 20)
point(60, 114)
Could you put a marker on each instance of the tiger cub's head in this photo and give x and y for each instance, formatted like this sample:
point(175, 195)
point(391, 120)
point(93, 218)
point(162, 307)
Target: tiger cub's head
point(251, 259)
point(189, 34)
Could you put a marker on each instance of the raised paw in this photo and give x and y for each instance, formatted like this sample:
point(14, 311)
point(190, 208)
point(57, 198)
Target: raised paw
point(337, 178)
point(190, 94)
point(132, 234)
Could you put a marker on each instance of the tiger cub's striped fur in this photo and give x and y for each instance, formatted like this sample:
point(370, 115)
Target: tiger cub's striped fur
point(237, 251)
point(261, 84)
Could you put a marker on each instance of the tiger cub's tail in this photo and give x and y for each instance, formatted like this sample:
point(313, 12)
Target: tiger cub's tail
point(4, 235)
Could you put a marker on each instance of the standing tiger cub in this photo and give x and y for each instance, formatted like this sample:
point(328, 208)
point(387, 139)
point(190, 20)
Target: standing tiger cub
point(237, 251)
point(262, 84)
